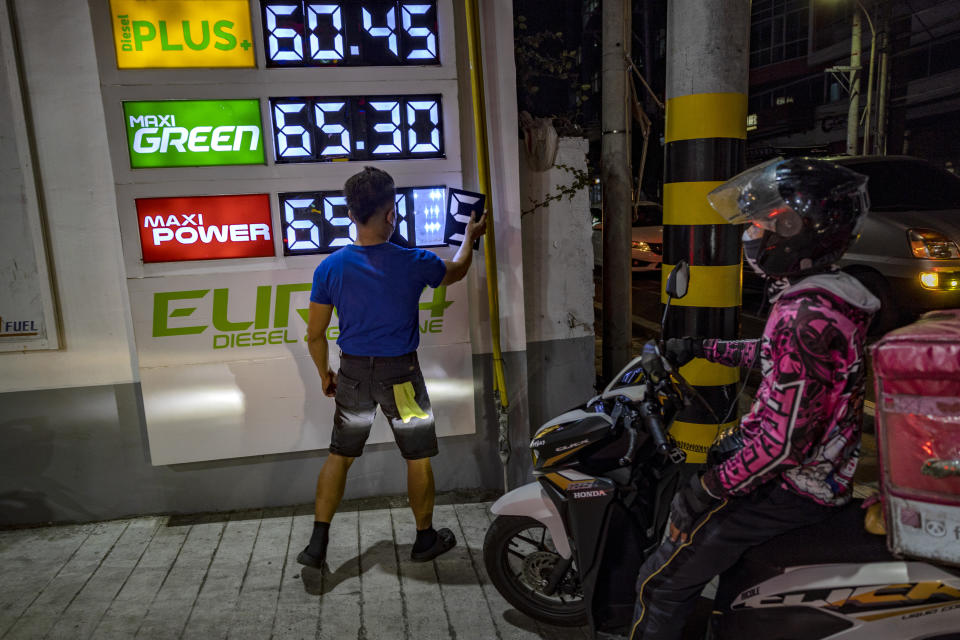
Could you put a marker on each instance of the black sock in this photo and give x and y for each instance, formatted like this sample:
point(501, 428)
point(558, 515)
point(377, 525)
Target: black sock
point(426, 538)
point(318, 540)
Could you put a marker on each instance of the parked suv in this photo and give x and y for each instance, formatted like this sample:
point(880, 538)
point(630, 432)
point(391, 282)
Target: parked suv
point(908, 253)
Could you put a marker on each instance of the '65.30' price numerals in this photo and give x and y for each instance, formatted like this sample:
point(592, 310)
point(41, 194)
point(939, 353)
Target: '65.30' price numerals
point(322, 129)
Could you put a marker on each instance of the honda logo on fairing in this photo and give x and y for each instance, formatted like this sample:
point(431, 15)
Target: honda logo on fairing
point(596, 493)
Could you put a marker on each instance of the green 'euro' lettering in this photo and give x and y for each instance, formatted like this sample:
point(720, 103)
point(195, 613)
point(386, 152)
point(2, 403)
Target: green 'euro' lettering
point(220, 29)
point(281, 313)
point(161, 306)
point(263, 306)
point(220, 321)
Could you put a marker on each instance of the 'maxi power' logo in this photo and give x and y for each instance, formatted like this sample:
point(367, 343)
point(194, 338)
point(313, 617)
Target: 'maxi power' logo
point(271, 316)
point(204, 227)
point(178, 34)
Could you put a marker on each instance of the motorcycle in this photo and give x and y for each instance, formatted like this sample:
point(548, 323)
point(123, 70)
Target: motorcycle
point(566, 548)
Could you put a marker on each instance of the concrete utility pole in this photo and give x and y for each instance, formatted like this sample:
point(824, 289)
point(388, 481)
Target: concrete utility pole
point(853, 113)
point(617, 203)
point(884, 81)
point(706, 130)
point(868, 113)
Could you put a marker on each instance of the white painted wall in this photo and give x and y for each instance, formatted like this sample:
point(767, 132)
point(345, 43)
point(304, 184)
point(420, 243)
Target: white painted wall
point(62, 87)
point(500, 87)
point(558, 254)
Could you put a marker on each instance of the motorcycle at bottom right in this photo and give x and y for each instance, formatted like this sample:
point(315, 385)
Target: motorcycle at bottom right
point(835, 580)
point(563, 548)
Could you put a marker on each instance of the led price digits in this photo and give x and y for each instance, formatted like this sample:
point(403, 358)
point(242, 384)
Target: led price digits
point(317, 222)
point(366, 33)
point(352, 128)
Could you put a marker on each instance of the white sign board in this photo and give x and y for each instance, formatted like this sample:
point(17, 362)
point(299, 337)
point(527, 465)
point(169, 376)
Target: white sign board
point(226, 373)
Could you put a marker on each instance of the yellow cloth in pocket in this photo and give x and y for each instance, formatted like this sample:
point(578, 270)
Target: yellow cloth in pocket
point(406, 400)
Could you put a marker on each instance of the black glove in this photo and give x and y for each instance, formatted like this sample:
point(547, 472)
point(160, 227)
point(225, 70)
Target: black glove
point(690, 503)
point(680, 351)
point(728, 443)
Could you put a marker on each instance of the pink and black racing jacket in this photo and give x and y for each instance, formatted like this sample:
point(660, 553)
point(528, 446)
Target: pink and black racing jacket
point(803, 428)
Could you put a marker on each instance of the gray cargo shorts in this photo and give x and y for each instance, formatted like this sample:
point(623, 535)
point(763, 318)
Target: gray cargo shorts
point(395, 384)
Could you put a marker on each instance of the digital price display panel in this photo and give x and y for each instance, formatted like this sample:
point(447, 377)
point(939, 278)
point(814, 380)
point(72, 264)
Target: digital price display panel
point(350, 33)
point(204, 227)
point(323, 129)
point(317, 221)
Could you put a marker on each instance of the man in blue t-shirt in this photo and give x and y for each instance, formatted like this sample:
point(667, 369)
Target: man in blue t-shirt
point(375, 286)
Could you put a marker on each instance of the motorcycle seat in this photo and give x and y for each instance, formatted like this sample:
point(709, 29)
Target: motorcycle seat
point(840, 538)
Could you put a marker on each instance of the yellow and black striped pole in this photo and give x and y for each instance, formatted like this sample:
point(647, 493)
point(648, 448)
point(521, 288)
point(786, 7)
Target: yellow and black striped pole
point(706, 120)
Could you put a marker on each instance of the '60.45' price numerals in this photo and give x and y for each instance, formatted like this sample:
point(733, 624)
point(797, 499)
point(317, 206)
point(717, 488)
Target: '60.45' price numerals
point(350, 33)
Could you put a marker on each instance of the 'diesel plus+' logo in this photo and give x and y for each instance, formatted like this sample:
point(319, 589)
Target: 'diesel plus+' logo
point(178, 34)
point(204, 228)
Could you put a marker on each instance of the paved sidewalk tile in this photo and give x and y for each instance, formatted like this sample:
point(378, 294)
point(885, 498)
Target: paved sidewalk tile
point(70, 579)
point(220, 590)
point(235, 576)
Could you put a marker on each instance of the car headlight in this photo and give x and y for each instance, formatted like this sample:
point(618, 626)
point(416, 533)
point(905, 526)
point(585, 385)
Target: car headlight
point(933, 245)
point(940, 280)
point(639, 245)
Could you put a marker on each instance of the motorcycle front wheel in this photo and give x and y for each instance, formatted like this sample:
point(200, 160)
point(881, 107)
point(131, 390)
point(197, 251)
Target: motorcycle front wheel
point(520, 556)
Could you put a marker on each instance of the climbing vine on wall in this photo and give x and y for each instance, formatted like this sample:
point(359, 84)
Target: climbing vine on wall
point(581, 180)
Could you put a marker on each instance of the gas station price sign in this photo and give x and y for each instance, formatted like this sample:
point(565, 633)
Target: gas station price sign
point(350, 33)
point(317, 221)
point(204, 227)
point(193, 133)
point(357, 128)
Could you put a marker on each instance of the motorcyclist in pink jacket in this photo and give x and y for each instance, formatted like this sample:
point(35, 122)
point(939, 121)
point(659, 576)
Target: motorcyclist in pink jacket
point(796, 450)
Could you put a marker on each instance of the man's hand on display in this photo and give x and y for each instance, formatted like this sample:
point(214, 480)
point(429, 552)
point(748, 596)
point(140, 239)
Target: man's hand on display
point(477, 228)
point(680, 351)
point(329, 382)
point(688, 506)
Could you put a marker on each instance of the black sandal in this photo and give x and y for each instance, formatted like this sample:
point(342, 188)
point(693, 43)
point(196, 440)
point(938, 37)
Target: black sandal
point(445, 541)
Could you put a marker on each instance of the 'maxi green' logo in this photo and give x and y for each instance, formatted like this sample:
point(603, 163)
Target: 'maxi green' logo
point(193, 133)
point(271, 316)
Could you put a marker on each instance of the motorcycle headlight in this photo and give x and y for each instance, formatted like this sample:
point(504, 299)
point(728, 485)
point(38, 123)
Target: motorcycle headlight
point(932, 245)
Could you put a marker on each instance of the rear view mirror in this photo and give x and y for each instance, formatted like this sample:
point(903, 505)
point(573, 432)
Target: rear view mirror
point(678, 280)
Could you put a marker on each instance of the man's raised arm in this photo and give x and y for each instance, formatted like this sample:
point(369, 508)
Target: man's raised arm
point(458, 267)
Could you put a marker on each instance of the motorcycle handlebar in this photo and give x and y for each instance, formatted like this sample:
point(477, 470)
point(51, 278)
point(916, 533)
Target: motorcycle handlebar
point(632, 446)
point(654, 424)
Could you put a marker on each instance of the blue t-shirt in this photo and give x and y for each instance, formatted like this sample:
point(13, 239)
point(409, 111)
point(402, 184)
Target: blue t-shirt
point(376, 290)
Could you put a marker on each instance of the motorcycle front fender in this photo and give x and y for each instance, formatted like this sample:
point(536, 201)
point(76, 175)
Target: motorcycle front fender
point(530, 501)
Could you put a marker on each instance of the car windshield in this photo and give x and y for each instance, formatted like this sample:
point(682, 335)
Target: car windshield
point(909, 186)
point(648, 215)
